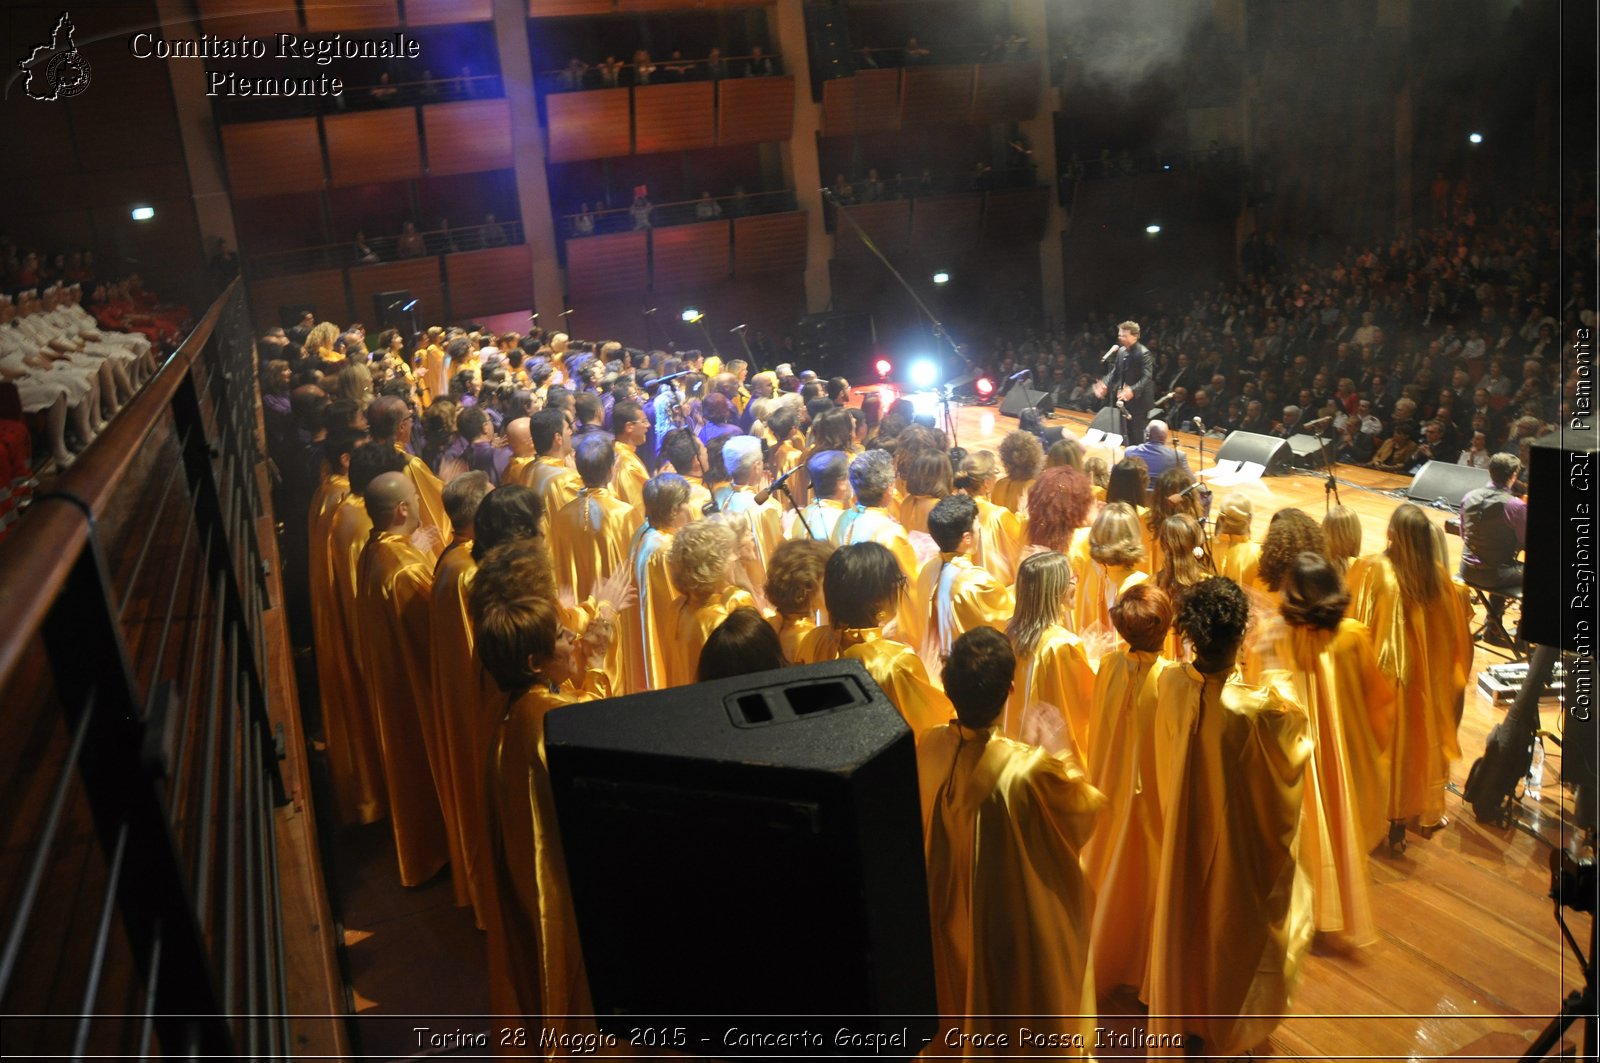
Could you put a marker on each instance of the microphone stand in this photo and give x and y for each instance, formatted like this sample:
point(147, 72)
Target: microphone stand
point(1330, 486)
point(749, 356)
point(798, 512)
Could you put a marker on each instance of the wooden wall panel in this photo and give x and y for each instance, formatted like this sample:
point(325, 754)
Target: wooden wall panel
point(552, 8)
point(419, 276)
point(447, 12)
point(689, 256)
point(373, 146)
point(271, 158)
point(1016, 214)
point(1004, 92)
point(246, 18)
point(323, 289)
point(589, 125)
point(945, 223)
point(327, 15)
point(755, 110)
point(492, 281)
point(769, 243)
point(674, 117)
point(868, 102)
point(935, 95)
point(606, 265)
point(839, 107)
point(632, 6)
point(468, 137)
point(888, 224)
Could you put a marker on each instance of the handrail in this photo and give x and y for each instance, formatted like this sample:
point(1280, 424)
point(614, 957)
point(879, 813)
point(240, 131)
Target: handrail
point(728, 61)
point(458, 238)
point(39, 553)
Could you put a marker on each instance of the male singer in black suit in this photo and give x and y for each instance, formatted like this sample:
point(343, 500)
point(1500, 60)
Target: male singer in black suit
point(1131, 382)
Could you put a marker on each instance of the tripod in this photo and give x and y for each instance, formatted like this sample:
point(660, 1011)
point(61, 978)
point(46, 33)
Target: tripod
point(1580, 1003)
point(1330, 486)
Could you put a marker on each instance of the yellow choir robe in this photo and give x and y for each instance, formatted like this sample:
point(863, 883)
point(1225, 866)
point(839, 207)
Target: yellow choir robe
point(1078, 559)
point(792, 630)
point(1427, 651)
point(590, 539)
point(556, 482)
point(631, 475)
point(1012, 494)
point(535, 959)
point(1056, 673)
point(359, 760)
point(817, 520)
point(1232, 916)
point(766, 521)
point(693, 624)
point(396, 581)
point(656, 608)
point(953, 597)
point(1122, 859)
point(913, 513)
point(1237, 558)
point(337, 685)
point(1350, 703)
point(431, 363)
point(999, 540)
point(517, 470)
point(1097, 592)
point(430, 497)
point(464, 700)
point(873, 524)
point(894, 666)
point(1004, 824)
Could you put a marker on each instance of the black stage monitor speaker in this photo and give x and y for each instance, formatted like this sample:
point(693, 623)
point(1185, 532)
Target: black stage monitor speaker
point(1306, 450)
point(748, 847)
point(836, 344)
point(1019, 398)
point(1443, 483)
point(1110, 421)
point(1269, 452)
point(390, 308)
point(1563, 476)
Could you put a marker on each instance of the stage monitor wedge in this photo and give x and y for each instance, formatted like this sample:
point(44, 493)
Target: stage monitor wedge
point(1269, 452)
point(1444, 483)
point(1020, 398)
point(748, 847)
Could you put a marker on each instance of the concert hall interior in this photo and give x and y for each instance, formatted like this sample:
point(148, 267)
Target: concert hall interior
point(813, 528)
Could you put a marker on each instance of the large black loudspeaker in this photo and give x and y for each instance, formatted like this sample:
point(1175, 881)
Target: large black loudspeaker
point(1305, 450)
point(1019, 398)
point(1111, 421)
point(1443, 483)
point(1560, 566)
point(389, 308)
point(836, 344)
point(1269, 452)
point(748, 847)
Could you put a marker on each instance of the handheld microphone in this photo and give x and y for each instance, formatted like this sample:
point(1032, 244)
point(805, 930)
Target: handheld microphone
point(1110, 354)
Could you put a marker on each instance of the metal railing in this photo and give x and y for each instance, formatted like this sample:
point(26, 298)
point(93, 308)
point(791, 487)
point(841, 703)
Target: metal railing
point(444, 241)
point(669, 71)
point(140, 892)
point(680, 212)
point(409, 93)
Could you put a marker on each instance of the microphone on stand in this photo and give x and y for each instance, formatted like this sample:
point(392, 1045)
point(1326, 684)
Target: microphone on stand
point(738, 328)
point(1018, 375)
point(762, 496)
point(1163, 400)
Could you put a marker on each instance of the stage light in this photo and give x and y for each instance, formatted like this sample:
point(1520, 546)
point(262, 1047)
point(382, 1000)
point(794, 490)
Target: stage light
point(984, 387)
point(924, 373)
point(143, 213)
point(1153, 229)
point(941, 277)
point(1475, 138)
point(884, 368)
point(692, 314)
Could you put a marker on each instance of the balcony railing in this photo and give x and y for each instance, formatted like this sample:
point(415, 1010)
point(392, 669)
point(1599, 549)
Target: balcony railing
point(383, 249)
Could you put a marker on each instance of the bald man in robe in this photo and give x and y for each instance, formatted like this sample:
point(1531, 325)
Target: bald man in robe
point(519, 437)
point(389, 420)
point(392, 614)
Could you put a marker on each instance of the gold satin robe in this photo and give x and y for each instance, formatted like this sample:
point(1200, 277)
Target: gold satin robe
point(1233, 908)
point(430, 497)
point(556, 482)
point(998, 541)
point(913, 513)
point(1012, 494)
point(431, 363)
point(894, 666)
point(792, 630)
point(766, 521)
point(873, 524)
point(1004, 824)
point(954, 596)
point(692, 625)
point(464, 700)
point(359, 761)
point(1427, 651)
point(631, 475)
point(517, 470)
point(1058, 674)
point(1237, 558)
point(536, 965)
point(656, 609)
point(1350, 703)
point(590, 538)
point(817, 520)
point(1097, 592)
point(699, 496)
point(396, 581)
point(1122, 858)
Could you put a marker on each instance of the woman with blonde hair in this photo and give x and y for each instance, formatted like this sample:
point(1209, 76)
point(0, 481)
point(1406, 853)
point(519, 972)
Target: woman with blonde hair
point(1023, 457)
point(1099, 474)
point(998, 532)
point(1050, 695)
point(353, 382)
point(1235, 553)
point(1184, 565)
point(794, 589)
point(319, 343)
point(1420, 622)
point(1342, 529)
point(701, 560)
point(1116, 550)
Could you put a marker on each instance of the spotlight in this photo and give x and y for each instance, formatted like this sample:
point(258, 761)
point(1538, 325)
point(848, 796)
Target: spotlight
point(143, 213)
point(924, 373)
point(941, 277)
point(884, 368)
point(1153, 229)
point(984, 387)
point(692, 314)
point(1475, 138)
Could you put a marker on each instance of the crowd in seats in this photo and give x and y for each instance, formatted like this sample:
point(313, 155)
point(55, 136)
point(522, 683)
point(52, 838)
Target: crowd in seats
point(442, 239)
point(1442, 344)
point(574, 520)
point(592, 217)
point(641, 69)
point(1004, 47)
